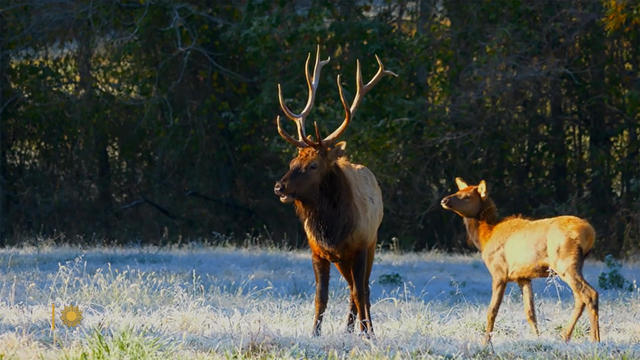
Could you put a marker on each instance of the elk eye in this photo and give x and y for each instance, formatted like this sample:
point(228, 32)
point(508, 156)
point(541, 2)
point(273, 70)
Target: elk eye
point(313, 166)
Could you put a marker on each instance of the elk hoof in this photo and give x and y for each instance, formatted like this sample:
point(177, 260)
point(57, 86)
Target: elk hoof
point(365, 335)
point(487, 339)
point(349, 329)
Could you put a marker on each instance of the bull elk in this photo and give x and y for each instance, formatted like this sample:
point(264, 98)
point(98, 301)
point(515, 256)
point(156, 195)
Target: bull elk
point(338, 203)
point(518, 249)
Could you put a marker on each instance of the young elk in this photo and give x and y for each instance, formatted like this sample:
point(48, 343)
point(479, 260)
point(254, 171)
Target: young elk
point(517, 249)
point(338, 203)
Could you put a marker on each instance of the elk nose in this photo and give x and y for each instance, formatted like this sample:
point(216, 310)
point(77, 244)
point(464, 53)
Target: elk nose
point(277, 189)
point(445, 202)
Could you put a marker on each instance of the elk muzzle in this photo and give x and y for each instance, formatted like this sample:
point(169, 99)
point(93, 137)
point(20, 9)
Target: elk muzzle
point(446, 202)
point(280, 189)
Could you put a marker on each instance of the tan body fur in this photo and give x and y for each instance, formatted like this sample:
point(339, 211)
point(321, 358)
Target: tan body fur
point(367, 201)
point(518, 249)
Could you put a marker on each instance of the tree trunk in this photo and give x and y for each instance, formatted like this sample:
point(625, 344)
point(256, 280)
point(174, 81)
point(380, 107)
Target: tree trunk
point(5, 91)
point(600, 144)
point(97, 126)
point(557, 145)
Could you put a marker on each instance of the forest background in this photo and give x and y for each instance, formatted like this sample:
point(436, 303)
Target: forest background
point(153, 121)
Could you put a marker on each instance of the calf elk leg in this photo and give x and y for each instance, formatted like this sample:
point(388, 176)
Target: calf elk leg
point(529, 307)
point(497, 292)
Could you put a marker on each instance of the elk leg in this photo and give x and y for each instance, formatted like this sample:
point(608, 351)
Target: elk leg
point(587, 296)
point(370, 257)
point(529, 308)
point(590, 297)
point(345, 270)
point(570, 278)
point(321, 270)
point(358, 272)
point(575, 315)
point(497, 292)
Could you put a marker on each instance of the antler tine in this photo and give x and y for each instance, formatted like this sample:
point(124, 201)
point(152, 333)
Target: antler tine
point(320, 142)
point(288, 137)
point(290, 114)
point(362, 89)
point(309, 142)
point(297, 119)
point(312, 84)
point(347, 118)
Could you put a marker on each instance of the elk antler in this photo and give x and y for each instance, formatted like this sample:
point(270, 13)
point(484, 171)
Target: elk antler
point(361, 90)
point(299, 119)
point(312, 83)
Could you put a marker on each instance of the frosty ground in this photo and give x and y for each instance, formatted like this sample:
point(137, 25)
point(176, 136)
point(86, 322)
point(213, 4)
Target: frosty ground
point(219, 302)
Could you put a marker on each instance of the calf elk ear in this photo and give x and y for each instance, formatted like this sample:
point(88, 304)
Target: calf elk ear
point(461, 184)
point(338, 150)
point(482, 189)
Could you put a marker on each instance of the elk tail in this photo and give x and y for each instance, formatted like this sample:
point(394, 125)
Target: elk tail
point(587, 238)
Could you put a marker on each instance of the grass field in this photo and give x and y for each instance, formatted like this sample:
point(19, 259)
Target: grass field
point(199, 302)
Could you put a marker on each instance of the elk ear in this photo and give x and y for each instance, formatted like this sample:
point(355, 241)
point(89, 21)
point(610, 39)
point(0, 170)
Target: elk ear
point(338, 150)
point(461, 184)
point(482, 189)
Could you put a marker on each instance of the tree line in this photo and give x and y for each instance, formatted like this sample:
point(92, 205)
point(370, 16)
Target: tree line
point(153, 121)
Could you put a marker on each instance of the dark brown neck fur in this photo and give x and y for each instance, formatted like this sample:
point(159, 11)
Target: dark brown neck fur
point(486, 219)
point(329, 211)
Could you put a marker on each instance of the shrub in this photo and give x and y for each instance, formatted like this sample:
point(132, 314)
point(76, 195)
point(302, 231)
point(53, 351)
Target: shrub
point(613, 279)
point(390, 279)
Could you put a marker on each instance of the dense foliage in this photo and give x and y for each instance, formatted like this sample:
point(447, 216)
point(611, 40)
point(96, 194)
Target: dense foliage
point(154, 120)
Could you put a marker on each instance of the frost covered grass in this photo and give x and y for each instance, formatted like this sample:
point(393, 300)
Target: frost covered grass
point(198, 302)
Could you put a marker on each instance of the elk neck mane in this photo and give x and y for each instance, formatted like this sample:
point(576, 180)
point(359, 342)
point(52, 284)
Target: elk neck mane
point(329, 213)
point(479, 227)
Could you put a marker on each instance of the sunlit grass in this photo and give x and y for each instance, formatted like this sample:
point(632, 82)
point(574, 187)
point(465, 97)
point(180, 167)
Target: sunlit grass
point(198, 302)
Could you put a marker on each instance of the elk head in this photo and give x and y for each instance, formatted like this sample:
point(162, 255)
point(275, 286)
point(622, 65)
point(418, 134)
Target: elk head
point(316, 158)
point(468, 201)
